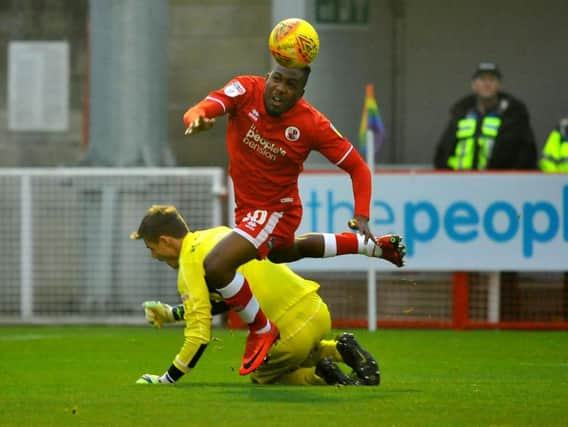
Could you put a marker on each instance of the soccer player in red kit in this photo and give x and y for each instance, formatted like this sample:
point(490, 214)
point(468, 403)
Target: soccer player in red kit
point(271, 130)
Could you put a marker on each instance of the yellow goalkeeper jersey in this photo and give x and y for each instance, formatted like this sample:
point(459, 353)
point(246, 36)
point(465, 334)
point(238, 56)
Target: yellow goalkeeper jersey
point(276, 287)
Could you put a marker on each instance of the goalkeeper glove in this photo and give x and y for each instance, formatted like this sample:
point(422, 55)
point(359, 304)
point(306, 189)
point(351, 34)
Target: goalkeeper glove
point(153, 379)
point(158, 313)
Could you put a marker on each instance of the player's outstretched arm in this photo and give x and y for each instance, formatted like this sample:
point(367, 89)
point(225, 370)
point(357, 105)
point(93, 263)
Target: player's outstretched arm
point(199, 124)
point(361, 185)
point(201, 116)
point(158, 313)
point(361, 224)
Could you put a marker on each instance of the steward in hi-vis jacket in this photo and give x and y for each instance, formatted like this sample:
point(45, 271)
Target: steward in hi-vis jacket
point(488, 129)
point(555, 151)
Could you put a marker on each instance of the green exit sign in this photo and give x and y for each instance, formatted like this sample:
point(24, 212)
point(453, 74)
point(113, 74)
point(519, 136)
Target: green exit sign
point(350, 12)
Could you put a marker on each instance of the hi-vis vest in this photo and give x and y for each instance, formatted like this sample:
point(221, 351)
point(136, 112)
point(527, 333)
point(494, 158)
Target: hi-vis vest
point(475, 141)
point(555, 152)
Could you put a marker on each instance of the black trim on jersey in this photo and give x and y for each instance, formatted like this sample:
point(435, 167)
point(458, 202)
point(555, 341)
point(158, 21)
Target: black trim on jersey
point(174, 373)
point(198, 354)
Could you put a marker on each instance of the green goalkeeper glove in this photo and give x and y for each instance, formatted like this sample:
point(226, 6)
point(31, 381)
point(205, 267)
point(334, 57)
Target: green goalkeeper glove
point(152, 379)
point(158, 313)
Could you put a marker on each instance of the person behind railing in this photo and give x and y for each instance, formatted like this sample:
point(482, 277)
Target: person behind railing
point(555, 151)
point(555, 160)
point(488, 129)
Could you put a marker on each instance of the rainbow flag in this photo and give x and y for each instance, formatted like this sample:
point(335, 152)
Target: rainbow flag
point(371, 119)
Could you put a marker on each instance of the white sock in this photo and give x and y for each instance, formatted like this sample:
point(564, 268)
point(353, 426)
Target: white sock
point(248, 313)
point(369, 249)
point(250, 310)
point(265, 329)
point(233, 287)
point(329, 245)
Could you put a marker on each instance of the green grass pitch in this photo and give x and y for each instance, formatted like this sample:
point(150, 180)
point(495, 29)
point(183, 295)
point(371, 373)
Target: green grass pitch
point(58, 376)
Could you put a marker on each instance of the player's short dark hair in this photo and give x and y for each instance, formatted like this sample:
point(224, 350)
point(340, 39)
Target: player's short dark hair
point(161, 220)
point(307, 70)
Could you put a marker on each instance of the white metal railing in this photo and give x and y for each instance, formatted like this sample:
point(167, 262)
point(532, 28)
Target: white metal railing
point(75, 257)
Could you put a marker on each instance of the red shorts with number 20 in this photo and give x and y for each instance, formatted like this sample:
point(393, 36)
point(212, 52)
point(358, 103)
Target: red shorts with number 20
point(268, 230)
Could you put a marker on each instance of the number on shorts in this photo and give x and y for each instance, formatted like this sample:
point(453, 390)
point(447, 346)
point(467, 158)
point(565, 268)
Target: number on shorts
point(258, 217)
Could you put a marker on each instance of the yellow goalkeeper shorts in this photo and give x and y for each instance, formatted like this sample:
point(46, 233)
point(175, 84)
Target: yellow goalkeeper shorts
point(301, 330)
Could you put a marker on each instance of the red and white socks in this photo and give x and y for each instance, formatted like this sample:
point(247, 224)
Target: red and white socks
point(348, 243)
point(238, 296)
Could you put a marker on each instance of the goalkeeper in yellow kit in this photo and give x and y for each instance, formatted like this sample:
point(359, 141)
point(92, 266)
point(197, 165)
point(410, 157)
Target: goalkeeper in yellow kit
point(300, 356)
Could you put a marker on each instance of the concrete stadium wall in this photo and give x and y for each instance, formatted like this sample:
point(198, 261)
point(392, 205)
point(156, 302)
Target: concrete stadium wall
point(419, 55)
point(29, 20)
point(211, 42)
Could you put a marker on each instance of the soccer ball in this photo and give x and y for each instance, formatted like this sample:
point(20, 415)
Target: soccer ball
point(293, 43)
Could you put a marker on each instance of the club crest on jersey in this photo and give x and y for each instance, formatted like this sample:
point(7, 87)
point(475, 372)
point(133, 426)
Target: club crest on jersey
point(234, 89)
point(292, 133)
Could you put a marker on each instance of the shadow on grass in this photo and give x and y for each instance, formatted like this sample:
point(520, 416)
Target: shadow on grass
point(295, 394)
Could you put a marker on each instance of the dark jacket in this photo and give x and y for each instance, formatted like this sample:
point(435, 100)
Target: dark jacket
point(515, 146)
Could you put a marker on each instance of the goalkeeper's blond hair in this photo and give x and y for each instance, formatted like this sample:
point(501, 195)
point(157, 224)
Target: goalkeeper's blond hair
point(161, 220)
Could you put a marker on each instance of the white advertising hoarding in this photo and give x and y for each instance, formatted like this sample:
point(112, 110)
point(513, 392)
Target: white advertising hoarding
point(449, 221)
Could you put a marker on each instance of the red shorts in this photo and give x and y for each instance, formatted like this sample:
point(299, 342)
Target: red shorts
point(266, 229)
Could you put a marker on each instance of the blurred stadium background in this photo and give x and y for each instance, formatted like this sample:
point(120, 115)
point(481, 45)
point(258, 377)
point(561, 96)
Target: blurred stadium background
point(91, 135)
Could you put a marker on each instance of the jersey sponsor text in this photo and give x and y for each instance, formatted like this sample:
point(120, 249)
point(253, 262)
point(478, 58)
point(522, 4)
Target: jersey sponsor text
point(262, 146)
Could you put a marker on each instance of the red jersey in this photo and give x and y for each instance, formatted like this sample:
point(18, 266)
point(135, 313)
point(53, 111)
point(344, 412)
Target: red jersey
point(267, 153)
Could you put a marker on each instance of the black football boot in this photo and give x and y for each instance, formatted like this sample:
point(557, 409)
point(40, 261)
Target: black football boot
point(360, 360)
point(330, 372)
